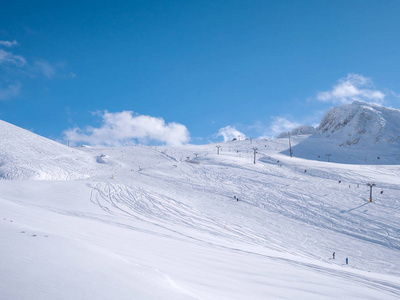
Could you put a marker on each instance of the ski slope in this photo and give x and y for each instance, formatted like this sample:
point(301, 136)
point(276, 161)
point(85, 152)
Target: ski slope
point(162, 223)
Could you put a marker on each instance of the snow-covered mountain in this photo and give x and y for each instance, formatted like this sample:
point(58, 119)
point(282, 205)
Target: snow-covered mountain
point(164, 222)
point(357, 133)
point(361, 124)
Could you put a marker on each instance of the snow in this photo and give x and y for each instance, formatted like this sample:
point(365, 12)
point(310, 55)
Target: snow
point(161, 222)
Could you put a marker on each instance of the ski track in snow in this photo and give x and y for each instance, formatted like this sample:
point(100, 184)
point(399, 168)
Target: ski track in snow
point(161, 210)
point(303, 202)
point(156, 209)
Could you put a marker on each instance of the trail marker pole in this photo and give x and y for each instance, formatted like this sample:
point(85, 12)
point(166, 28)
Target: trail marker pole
point(290, 146)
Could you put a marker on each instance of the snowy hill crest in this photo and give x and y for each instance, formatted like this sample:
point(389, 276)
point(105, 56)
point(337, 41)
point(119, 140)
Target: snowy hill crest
point(25, 155)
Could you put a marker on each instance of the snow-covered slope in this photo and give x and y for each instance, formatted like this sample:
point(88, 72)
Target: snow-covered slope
point(162, 223)
point(25, 155)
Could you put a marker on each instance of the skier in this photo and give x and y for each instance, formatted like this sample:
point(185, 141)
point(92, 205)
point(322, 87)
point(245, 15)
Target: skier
point(381, 192)
point(333, 255)
point(347, 261)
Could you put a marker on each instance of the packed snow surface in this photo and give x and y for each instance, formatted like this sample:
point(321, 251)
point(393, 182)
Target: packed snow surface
point(163, 222)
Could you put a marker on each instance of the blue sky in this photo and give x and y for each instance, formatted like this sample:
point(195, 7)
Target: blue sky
point(111, 72)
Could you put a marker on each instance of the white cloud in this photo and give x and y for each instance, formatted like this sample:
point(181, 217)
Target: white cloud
point(279, 125)
point(15, 68)
point(11, 61)
point(351, 88)
point(44, 68)
point(8, 43)
point(125, 127)
point(11, 91)
point(41, 67)
point(229, 132)
point(9, 58)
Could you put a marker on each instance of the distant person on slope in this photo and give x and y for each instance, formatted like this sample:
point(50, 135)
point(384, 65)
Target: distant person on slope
point(333, 255)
